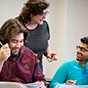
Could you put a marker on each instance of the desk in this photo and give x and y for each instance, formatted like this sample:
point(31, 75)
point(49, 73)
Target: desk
point(11, 85)
point(73, 86)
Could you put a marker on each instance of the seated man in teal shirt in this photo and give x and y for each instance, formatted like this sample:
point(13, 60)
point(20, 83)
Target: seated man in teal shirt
point(74, 72)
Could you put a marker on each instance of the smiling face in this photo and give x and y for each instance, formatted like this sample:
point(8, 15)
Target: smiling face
point(39, 18)
point(82, 52)
point(16, 42)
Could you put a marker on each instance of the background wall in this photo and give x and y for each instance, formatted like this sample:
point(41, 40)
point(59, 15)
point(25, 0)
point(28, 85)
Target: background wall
point(9, 9)
point(68, 21)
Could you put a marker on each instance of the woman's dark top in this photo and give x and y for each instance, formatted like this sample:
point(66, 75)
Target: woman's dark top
point(37, 39)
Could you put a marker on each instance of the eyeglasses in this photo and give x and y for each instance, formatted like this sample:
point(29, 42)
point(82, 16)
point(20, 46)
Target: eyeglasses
point(81, 48)
point(44, 13)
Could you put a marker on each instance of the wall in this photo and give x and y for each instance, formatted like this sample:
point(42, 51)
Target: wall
point(9, 9)
point(68, 21)
point(57, 19)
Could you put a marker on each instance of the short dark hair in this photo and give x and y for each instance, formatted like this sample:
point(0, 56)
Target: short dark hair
point(33, 7)
point(10, 28)
point(84, 40)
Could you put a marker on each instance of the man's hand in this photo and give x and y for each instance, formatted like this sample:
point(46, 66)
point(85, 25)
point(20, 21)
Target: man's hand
point(41, 84)
point(71, 82)
point(5, 53)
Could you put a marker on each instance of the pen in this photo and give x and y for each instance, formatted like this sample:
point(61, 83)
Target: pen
point(1, 43)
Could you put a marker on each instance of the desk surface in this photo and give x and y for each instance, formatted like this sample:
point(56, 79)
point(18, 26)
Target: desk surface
point(11, 85)
point(73, 86)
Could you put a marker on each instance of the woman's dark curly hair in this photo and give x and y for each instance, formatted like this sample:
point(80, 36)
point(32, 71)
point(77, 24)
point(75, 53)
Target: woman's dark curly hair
point(33, 7)
point(10, 28)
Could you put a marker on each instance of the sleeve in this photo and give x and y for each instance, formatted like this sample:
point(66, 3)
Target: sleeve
point(38, 75)
point(48, 30)
point(60, 76)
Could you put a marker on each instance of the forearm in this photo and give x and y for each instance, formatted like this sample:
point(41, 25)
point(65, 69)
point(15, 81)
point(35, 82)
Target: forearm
point(48, 50)
point(54, 84)
point(50, 55)
point(59, 77)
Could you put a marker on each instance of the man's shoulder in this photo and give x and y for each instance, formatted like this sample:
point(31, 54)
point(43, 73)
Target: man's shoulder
point(69, 62)
point(25, 50)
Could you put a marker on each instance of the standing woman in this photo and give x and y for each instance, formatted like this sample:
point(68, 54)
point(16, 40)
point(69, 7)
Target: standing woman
point(32, 17)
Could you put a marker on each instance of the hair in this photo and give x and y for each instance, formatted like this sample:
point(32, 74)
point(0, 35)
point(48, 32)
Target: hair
point(10, 28)
point(84, 40)
point(33, 7)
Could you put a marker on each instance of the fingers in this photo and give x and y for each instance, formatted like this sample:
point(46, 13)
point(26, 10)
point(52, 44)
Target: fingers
point(5, 52)
point(5, 48)
point(51, 57)
point(71, 82)
point(41, 84)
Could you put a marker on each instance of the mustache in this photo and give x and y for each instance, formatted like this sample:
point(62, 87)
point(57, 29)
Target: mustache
point(79, 53)
point(15, 48)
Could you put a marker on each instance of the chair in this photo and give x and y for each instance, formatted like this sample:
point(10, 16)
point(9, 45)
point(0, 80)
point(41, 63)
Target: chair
point(48, 80)
point(11, 85)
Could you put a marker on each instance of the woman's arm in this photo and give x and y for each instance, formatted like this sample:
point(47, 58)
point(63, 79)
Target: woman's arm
point(50, 54)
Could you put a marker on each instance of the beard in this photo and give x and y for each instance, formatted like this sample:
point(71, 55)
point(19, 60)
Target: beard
point(15, 54)
point(81, 57)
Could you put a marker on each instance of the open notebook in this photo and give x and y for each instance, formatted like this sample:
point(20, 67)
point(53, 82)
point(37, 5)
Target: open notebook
point(73, 86)
point(32, 85)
